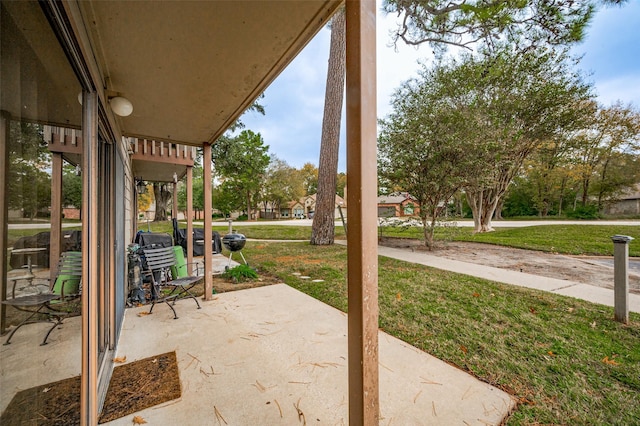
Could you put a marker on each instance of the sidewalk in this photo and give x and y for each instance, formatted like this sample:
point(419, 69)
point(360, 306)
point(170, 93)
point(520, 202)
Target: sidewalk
point(586, 292)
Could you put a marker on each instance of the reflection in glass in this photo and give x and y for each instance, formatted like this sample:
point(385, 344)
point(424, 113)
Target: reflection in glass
point(38, 102)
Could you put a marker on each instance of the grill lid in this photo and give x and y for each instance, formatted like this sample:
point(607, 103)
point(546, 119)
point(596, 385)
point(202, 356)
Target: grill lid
point(234, 242)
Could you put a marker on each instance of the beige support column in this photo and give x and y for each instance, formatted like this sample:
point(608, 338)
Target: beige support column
point(208, 234)
point(56, 213)
point(4, 213)
point(362, 248)
point(189, 231)
point(90, 190)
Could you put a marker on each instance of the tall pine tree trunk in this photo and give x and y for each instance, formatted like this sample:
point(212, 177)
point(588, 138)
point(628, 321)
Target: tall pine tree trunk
point(323, 229)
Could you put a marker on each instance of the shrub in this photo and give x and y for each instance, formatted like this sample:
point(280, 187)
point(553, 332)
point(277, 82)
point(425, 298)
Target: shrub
point(240, 273)
point(584, 212)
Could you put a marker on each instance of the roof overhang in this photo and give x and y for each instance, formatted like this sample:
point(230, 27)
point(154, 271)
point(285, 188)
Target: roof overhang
point(191, 68)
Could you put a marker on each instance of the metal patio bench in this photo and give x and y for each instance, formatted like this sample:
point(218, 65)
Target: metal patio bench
point(50, 306)
point(159, 261)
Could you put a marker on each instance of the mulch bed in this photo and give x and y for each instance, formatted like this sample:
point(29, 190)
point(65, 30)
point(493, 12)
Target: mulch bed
point(133, 387)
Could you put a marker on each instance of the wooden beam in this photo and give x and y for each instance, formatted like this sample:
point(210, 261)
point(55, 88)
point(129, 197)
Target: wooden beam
point(55, 246)
point(362, 247)
point(90, 252)
point(161, 152)
point(208, 234)
point(62, 143)
point(189, 231)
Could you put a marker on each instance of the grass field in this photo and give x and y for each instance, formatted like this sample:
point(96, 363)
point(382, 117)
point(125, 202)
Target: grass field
point(565, 360)
point(565, 239)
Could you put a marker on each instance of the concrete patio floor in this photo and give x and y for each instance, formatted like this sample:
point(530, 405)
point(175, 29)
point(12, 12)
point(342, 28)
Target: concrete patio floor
point(253, 355)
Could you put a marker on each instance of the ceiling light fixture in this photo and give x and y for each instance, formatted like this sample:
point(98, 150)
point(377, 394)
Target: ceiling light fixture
point(121, 106)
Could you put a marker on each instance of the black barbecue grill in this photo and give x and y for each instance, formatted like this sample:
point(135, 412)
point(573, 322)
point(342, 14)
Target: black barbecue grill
point(234, 243)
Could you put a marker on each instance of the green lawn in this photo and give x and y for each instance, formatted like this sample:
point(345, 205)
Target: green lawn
point(257, 231)
point(565, 360)
point(568, 239)
point(565, 239)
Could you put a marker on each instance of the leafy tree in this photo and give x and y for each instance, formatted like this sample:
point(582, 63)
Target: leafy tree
point(197, 190)
point(29, 179)
point(612, 133)
point(598, 161)
point(517, 202)
point(341, 183)
point(145, 200)
point(323, 229)
point(242, 160)
point(71, 187)
point(228, 198)
point(506, 105)
point(525, 23)
point(309, 175)
point(551, 169)
point(31, 188)
point(282, 184)
point(419, 149)
point(620, 171)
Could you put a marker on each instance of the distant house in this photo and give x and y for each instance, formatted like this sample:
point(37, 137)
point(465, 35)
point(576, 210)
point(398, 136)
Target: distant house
point(627, 204)
point(306, 207)
point(266, 210)
point(397, 204)
point(293, 209)
point(71, 213)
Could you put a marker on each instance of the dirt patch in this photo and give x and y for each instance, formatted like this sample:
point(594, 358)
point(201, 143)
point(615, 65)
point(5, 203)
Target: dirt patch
point(297, 260)
point(223, 285)
point(581, 269)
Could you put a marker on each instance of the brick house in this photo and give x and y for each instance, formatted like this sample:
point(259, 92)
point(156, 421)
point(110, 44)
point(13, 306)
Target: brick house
point(398, 204)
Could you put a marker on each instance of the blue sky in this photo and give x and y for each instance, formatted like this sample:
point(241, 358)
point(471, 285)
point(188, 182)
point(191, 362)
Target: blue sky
point(294, 102)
